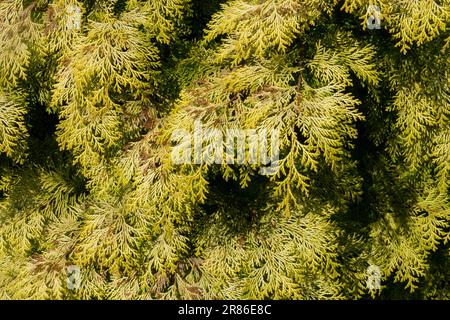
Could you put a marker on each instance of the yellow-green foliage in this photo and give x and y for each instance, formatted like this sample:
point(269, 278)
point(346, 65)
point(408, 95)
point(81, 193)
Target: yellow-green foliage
point(88, 111)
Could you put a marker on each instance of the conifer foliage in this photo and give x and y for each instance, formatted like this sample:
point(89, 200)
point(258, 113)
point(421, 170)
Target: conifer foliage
point(92, 94)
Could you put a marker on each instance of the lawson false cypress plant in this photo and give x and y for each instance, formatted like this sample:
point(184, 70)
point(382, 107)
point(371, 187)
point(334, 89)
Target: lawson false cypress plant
point(93, 92)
